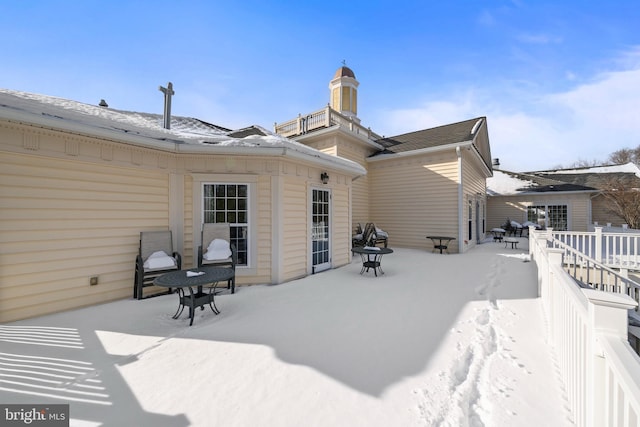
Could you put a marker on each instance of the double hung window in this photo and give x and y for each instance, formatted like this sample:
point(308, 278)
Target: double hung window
point(230, 203)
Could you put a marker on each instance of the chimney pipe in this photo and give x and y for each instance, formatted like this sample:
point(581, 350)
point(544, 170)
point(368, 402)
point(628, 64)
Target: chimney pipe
point(168, 92)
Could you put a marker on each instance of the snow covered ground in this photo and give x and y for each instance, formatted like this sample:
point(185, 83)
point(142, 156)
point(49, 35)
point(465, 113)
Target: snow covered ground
point(439, 340)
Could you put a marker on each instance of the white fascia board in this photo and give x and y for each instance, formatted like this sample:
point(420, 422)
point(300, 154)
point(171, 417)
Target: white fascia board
point(320, 159)
point(80, 129)
point(381, 157)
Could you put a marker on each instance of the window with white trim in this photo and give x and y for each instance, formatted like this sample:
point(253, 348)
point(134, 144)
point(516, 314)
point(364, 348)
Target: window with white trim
point(229, 203)
point(553, 216)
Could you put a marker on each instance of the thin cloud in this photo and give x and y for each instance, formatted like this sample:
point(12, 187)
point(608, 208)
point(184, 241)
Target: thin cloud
point(539, 38)
point(588, 121)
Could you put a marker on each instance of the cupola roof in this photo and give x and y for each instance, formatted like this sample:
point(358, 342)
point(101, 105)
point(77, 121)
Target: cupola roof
point(344, 71)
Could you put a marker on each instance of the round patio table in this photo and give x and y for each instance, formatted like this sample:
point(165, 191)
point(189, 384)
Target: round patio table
point(371, 258)
point(180, 280)
point(443, 242)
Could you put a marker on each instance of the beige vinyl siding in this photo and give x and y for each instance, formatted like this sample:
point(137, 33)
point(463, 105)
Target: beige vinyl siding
point(295, 230)
point(263, 233)
point(474, 186)
point(415, 197)
point(580, 214)
point(190, 229)
point(602, 214)
point(341, 226)
point(500, 208)
point(355, 151)
point(65, 221)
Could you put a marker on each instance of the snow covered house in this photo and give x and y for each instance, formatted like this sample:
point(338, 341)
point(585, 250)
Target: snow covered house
point(428, 182)
point(564, 199)
point(80, 182)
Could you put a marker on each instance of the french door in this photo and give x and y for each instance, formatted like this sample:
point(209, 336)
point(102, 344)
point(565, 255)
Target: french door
point(320, 230)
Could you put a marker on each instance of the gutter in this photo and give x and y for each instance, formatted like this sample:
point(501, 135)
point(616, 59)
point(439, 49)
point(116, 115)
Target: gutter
point(380, 157)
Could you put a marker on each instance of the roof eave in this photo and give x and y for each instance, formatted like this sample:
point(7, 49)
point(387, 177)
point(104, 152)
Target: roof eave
point(429, 150)
point(533, 193)
point(29, 119)
point(334, 128)
point(68, 126)
point(320, 159)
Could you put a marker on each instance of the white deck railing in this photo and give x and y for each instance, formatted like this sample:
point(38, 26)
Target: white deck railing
point(324, 118)
point(589, 331)
point(615, 250)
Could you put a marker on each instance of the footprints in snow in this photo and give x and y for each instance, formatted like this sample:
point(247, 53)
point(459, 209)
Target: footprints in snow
point(468, 380)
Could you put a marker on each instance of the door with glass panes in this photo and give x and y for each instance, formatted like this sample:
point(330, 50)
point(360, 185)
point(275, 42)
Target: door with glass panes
point(320, 230)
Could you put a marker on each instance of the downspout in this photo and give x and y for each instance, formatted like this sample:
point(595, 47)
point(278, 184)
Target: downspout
point(460, 204)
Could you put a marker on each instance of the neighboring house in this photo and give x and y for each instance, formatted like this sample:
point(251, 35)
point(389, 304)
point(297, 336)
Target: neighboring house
point(428, 182)
point(80, 182)
point(564, 199)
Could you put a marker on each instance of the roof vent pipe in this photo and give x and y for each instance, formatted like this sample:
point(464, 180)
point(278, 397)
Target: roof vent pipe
point(168, 92)
point(496, 162)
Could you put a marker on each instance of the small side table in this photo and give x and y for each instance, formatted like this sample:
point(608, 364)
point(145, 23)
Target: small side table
point(443, 242)
point(371, 258)
point(498, 234)
point(514, 242)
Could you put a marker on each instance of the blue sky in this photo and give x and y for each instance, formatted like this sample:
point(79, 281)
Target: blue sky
point(559, 81)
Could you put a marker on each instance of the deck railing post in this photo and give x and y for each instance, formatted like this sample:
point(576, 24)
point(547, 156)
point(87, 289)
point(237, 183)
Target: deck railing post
point(598, 254)
point(607, 315)
point(328, 116)
point(533, 239)
point(547, 290)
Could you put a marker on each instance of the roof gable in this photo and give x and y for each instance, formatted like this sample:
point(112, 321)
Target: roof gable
point(472, 131)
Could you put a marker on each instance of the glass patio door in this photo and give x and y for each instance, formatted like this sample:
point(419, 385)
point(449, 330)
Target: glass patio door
point(320, 230)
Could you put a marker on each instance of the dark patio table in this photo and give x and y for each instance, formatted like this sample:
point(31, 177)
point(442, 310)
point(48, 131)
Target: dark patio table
point(180, 281)
point(443, 242)
point(371, 258)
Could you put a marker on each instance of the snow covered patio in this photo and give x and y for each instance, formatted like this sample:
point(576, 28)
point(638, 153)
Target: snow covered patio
point(447, 340)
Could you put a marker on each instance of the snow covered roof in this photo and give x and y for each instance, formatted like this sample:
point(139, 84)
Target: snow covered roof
point(598, 177)
point(505, 183)
point(626, 168)
point(145, 129)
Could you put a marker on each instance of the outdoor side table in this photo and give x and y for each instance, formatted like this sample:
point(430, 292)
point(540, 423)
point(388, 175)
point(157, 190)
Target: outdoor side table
point(498, 234)
point(443, 242)
point(181, 281)
point(371, 258)
point(514, 242)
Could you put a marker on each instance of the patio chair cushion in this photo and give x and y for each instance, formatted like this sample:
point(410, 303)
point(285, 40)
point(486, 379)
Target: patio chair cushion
point(381, 234)
point(218, 249)
point(159, 259)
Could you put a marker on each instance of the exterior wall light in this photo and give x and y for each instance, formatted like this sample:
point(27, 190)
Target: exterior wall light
point(324, 177)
